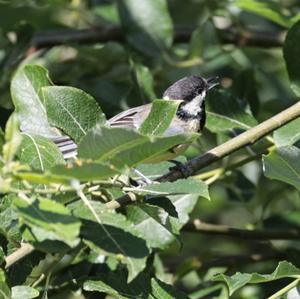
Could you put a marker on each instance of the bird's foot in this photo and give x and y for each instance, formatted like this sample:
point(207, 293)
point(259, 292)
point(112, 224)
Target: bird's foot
point(179, 166)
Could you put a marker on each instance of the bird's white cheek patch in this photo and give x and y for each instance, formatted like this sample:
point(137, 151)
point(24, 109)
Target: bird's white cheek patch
point(194, 107)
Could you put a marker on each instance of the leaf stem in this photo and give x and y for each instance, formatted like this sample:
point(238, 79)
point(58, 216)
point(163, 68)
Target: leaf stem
point(284, 290)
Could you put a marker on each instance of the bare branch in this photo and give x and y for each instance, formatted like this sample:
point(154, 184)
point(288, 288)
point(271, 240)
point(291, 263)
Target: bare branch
point(247, 138)
point(19, 254)
point(197, 226)
point(51, 38)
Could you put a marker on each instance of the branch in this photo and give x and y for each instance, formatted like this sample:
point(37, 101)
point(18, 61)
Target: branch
point(258, 234)
point(20, 253)
point(247, 138)
point(49, 38)
point(229, 261)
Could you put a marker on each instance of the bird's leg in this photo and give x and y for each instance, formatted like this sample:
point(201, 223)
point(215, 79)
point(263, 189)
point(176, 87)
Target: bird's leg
point(144, 178)
point(180, 167)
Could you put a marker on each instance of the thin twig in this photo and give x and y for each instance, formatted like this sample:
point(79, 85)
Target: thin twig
point(286, 289)
point(182, 34)
point(197, 226)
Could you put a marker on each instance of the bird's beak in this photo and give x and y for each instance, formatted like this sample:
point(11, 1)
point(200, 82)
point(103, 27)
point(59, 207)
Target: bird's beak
point(212, 82)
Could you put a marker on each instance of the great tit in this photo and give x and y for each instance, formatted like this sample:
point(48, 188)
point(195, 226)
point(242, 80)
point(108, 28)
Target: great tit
point(190, 116)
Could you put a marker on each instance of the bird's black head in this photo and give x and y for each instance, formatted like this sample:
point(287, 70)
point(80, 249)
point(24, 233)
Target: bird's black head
point(188, 88)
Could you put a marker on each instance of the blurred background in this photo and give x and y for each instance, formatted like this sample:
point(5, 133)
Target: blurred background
point(126, 55)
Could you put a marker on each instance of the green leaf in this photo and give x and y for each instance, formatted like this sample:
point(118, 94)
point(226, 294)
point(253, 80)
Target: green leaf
point(154, 171)
point(12, 138)
point(1, 140)
point(48, 220)
point(238, 280)
point(144, 81)
point(245, 86)
point(226, 113)
point(283, 164)
point(160, 117)
point(120, 146)
point(9, 223)
point(27, 97)
point(161, 290)
point(4, 289)
point(45, 178)
point(239, 187)
point(177, 208)
point(115, 284)
point(147, 24)
point(184, 205)
point(85, 171)
point(205, 34)
point(39, 152)
point(23, 292)
point(291, 49)
point(114, 236)
point(183, 186)
point(269, 10)
point(72, 110)
point(153, 224)
point(288, 134)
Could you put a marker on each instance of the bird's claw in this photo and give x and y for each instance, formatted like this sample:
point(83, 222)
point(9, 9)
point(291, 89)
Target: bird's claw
point(179, 166)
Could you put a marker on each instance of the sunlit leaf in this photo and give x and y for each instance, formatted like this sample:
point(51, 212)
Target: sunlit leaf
point(48, 220)
point(144, 81)
point(39, 152)
point(238, 280)
point(72, 110)
point(160, 117)
point(28, 99)
point(12, 138)
point(183, 186)
point(1, 141)
point(161, 290)
point(121, 146)
point(153, 223)
point(269, 10)
point(114, 236)
point(23, 292)
point(288, 134)
point(5, 292)
point(85, 171)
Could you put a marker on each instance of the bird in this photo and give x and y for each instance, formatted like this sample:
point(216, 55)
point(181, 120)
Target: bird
point(190, 115)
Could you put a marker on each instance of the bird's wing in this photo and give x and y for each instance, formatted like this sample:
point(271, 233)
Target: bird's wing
point(131, 118)
point(66, 145)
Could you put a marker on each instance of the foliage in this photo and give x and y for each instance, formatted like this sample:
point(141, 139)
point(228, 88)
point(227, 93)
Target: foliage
point(93, 228)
